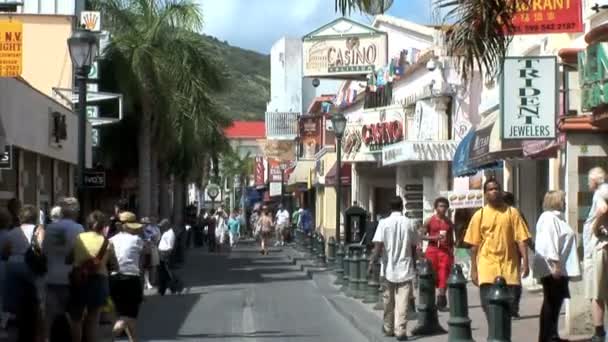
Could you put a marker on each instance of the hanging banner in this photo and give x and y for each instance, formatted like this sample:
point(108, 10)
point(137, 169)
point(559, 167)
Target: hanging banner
point(529, 94)
point(259, 171)
point(548, 16)
point(278, 149)
point(11, 42)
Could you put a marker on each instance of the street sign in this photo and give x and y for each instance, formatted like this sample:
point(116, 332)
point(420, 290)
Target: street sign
point(11, 42)
point(6, 158)
point(94, 72)
point(95, 137)
point(92, 112)
point(94, 179)
point(213, 190)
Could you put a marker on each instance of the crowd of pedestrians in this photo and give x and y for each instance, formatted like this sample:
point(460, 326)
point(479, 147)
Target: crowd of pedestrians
point(499, 243)
point(58, 277)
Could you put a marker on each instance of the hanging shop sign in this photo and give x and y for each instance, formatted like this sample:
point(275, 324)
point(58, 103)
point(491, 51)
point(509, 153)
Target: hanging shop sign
point(529, 97)
point(547, 16)
point(11, 43)
point(481, 142)
point(593, 65)
point(94, 179)
point(259, 172)
point(278, 149)
point(419, 151)
point(343, 47)
point(465, 199)
point(6, 158)
point(367, 132)
point(275, 189)
point(310, 136)
point(413, 196)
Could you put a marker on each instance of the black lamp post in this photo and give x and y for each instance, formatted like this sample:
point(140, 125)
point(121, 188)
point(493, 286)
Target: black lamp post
point(338, 122)
point(84, 48)
point(283, 166)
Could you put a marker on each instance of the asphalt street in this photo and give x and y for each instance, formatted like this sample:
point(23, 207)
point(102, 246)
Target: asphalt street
point(243, 296)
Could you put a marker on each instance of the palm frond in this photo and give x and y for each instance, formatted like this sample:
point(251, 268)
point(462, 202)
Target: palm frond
point(346, 7)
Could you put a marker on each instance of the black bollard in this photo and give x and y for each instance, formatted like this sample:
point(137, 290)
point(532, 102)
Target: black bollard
point(362, 280)
point(354, 270)
point(371, 295)
point(459, 329)
point(310, 243)
point(321, 253)
point(298, 238)
point(339, 268)
point(315, 242)
point(346, 266)
point(428, 321)
point(331, 252)
point(499, 312)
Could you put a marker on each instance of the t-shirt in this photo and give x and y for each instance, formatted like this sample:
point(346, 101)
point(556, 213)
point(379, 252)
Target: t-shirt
point(496, 231)
point(128, 248)
point(87, 245)
point(167, 241)
point(556, 241)
point(282, 217)
point(58, 242)
point(437, 225)
point(234, 225)
point(400, 237)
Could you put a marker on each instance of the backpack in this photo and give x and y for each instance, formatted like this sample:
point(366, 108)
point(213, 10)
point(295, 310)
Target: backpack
point(80, 274)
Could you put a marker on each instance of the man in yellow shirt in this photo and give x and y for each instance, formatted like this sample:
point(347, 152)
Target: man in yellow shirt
point(497, 235)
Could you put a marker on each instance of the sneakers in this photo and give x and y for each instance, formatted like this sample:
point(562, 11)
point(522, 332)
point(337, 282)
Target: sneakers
point(276, 244)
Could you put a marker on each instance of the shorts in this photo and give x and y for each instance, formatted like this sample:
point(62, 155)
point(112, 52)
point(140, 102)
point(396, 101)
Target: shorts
point(281, 227)
point(442, 264)
point(127, 294)
point(595, 275)
point(92, 295)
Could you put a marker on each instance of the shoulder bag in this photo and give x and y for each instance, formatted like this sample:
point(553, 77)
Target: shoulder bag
point(34, 258)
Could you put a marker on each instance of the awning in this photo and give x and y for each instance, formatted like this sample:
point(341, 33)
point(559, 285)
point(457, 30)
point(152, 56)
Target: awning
point(487, 147)
point(460, 165)
point(345, 175)
point(301, 172)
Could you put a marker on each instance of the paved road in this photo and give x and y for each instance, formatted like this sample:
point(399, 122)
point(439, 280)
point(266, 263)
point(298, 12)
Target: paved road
point(243, 296)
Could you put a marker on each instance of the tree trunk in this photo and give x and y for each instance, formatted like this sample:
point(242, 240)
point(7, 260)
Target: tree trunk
point(155, 176)
point(163, 192)
point(179, 204)
point(145, 162)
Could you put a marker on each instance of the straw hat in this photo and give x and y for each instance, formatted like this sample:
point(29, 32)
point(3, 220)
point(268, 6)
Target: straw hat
point(129, 220)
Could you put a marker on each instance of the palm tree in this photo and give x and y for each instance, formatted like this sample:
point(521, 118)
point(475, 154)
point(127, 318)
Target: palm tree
point(475, 34)
point(236, 167)
point(165, 68)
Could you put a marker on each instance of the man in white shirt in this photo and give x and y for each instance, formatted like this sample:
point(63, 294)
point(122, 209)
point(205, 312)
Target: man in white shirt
point(395, 241)
point(165, 247)
point(282, 223)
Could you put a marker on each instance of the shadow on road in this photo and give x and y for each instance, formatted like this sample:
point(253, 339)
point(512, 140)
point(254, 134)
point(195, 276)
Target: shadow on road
point(256, 334)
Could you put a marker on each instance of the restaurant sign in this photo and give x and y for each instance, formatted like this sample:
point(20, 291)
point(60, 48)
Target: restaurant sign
point(529, 97)
point(547, 16)
point(344, 47)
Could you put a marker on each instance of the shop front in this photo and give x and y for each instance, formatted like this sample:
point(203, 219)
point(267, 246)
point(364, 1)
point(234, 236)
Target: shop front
point(40, 155)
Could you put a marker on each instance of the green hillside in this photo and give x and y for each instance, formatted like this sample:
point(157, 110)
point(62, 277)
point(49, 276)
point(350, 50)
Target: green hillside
point(249, 84)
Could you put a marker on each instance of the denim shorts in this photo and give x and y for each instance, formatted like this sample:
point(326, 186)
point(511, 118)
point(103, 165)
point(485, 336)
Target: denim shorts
point(93, 294)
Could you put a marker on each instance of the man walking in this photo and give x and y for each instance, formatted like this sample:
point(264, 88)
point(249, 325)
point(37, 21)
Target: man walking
point(595, 245)
point(497, 235)
point(395, 241)
point(282, 224)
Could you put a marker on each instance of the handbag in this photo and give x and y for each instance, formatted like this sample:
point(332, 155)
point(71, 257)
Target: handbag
point(81, 273)
point(34, 258)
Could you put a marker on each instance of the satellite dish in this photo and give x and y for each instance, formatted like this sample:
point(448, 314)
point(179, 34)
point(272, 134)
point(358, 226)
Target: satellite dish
point(378, 7)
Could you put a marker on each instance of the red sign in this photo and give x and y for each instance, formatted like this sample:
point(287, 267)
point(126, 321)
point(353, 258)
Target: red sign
point(382, 133)
point(274, 171)
point(548, 16)
point(259, 171)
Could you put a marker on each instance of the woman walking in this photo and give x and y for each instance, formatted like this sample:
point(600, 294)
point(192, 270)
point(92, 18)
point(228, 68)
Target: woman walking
point(22, 288)
point(265, 223)
point(93, 257)
point(125, 284)
point(234, 228)
point(555, 262)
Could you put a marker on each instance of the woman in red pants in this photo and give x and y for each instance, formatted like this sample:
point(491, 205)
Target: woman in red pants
point(440, 250)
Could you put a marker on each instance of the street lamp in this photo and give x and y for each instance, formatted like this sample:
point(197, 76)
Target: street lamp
point(84, 48)
point(338, 121)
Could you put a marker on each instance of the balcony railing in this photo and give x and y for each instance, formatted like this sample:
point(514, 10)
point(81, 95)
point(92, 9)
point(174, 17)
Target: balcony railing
point(282, 125)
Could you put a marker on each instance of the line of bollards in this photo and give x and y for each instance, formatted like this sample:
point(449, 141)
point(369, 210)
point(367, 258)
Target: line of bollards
point(350, 265)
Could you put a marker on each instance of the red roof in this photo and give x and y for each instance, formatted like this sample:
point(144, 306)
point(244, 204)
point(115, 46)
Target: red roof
point(246, 130)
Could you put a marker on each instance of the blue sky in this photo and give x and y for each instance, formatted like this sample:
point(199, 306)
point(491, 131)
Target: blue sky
point(257, 24)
